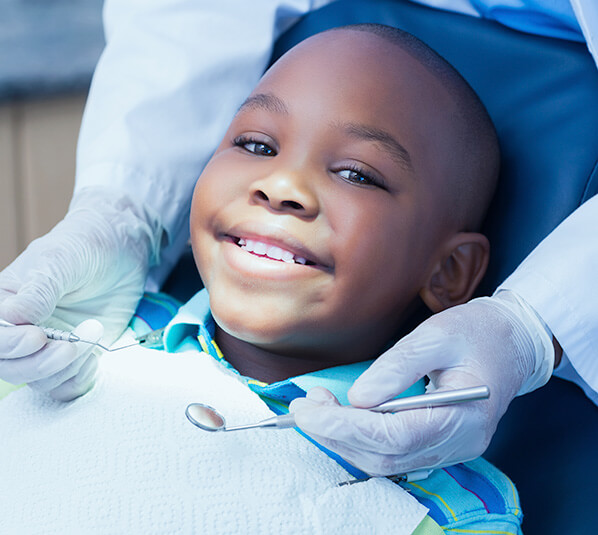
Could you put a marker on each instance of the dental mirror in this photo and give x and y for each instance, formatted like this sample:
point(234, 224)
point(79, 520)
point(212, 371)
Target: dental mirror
point(209, 419)
point(205, 417)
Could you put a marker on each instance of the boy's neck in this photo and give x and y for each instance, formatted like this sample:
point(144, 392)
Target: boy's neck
point(271, 366)
point(264, 365)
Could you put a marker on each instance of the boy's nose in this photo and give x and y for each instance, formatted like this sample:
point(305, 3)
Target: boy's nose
point(283, 193)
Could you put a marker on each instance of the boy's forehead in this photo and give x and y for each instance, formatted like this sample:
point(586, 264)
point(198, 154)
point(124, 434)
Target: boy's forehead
point(346, 68)
point(348, 56)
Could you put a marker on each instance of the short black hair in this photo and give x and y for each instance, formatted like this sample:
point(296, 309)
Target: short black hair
point(476, 165)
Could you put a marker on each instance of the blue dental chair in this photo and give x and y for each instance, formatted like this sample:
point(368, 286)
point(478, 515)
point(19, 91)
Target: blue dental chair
point(542, 95)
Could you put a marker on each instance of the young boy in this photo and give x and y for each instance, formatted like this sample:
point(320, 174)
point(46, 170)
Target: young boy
point(344, 198)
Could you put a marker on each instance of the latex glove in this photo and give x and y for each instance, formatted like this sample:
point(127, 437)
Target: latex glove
point(70, 368)
point(497, 341)
point(92, 264)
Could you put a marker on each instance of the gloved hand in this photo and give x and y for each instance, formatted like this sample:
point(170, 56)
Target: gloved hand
point(69, 368)
point(496, 341)
point(92, 264)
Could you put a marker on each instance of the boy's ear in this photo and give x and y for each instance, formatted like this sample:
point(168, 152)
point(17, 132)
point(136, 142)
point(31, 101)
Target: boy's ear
point(462, 264)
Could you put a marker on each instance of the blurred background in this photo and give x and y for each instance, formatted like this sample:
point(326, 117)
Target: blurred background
point(48, 51)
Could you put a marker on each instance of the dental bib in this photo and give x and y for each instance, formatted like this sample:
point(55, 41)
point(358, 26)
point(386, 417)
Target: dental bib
point(124, 459)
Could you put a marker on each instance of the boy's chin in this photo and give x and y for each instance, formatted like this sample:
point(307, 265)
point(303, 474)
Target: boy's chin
point(257, 320)
point(255, 333)
point(283, 338)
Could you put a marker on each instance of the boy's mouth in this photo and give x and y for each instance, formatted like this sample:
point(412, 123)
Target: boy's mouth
point(272, 252)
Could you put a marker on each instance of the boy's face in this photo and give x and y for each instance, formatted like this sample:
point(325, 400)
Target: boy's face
point(319, 218)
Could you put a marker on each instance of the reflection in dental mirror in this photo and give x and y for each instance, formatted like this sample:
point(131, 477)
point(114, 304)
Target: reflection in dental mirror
point(205, 417)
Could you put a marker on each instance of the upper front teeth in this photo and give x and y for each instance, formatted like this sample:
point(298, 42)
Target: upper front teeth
point(271, 251)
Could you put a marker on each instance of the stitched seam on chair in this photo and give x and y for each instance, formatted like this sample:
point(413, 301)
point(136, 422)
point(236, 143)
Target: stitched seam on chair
point(591, 188)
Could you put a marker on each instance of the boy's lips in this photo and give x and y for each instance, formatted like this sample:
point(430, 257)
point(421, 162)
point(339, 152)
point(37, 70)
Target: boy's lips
point(275, 244)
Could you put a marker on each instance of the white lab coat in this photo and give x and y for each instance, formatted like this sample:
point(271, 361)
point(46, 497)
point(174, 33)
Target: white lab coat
point(172, 76)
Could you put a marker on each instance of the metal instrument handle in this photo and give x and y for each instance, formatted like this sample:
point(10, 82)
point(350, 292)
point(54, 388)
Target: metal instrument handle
point(434, 399)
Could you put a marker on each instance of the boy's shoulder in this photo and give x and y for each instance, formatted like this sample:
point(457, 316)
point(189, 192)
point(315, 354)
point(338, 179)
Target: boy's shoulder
point(154, 311)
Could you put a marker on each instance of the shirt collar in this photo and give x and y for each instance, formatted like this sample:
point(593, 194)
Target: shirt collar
point(187, 320)
point(196, 312)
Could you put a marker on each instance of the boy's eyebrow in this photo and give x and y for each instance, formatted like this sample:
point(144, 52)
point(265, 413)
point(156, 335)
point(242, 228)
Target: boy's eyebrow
point(266, 101)
point(272, 103)
point(389, 143)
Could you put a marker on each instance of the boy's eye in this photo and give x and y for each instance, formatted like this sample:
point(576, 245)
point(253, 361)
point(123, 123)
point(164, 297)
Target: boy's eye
point(259, 148)
point(357, 176)
point(254, 146)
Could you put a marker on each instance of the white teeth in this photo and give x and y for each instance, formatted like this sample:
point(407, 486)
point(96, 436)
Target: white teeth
point(271, 251)
point(260, 248)
point(288, 257)
point(275, 252)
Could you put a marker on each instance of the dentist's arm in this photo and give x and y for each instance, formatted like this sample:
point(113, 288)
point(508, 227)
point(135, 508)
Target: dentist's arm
point(505, 342)
point(171, 77)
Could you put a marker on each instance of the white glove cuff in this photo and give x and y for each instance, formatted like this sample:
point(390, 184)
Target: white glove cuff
point(539, 334)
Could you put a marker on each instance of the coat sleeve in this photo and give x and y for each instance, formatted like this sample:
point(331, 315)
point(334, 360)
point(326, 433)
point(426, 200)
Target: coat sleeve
point(560, 280)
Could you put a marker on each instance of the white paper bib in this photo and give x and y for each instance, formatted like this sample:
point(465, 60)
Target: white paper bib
point(124, 459)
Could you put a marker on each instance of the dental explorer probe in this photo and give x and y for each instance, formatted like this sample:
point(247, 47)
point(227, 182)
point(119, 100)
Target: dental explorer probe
point(209, 419)
point(65, 336)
